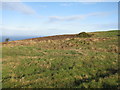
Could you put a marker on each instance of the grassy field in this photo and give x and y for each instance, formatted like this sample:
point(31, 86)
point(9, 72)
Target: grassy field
point(64, 63)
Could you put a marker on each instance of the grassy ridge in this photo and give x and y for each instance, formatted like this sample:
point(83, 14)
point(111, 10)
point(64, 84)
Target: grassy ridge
point(71, 62)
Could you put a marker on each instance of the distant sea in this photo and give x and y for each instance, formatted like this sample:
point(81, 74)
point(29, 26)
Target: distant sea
point(14, 38)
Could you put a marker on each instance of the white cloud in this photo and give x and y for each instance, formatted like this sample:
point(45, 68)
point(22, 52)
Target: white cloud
point(88, 3)
point(0, 4)
point(43, 6)
point(66, 18)
point(66, 4)
point(56, 29)
point(18, 31)
point(61, 0)
point(75, 17)
point(91, 27)
point(18, 6)
point(98, 0)
point(8, 28)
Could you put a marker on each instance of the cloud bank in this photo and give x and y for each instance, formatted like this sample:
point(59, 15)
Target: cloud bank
point(75, 17)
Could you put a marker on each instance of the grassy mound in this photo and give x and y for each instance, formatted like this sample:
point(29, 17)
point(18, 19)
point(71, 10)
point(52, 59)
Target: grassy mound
point(84, 34)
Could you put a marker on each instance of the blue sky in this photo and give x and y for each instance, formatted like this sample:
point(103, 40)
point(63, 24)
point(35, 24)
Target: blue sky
point(50, 18)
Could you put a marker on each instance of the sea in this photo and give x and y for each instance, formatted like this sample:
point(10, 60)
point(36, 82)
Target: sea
point(14, 38)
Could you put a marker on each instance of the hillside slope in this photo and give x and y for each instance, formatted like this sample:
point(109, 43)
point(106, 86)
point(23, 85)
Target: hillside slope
point(62, 61)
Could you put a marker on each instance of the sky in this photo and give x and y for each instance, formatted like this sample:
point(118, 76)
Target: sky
point(56, 18)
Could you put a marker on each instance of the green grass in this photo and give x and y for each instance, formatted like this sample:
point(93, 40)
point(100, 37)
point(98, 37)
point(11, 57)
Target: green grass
point(75, 63)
